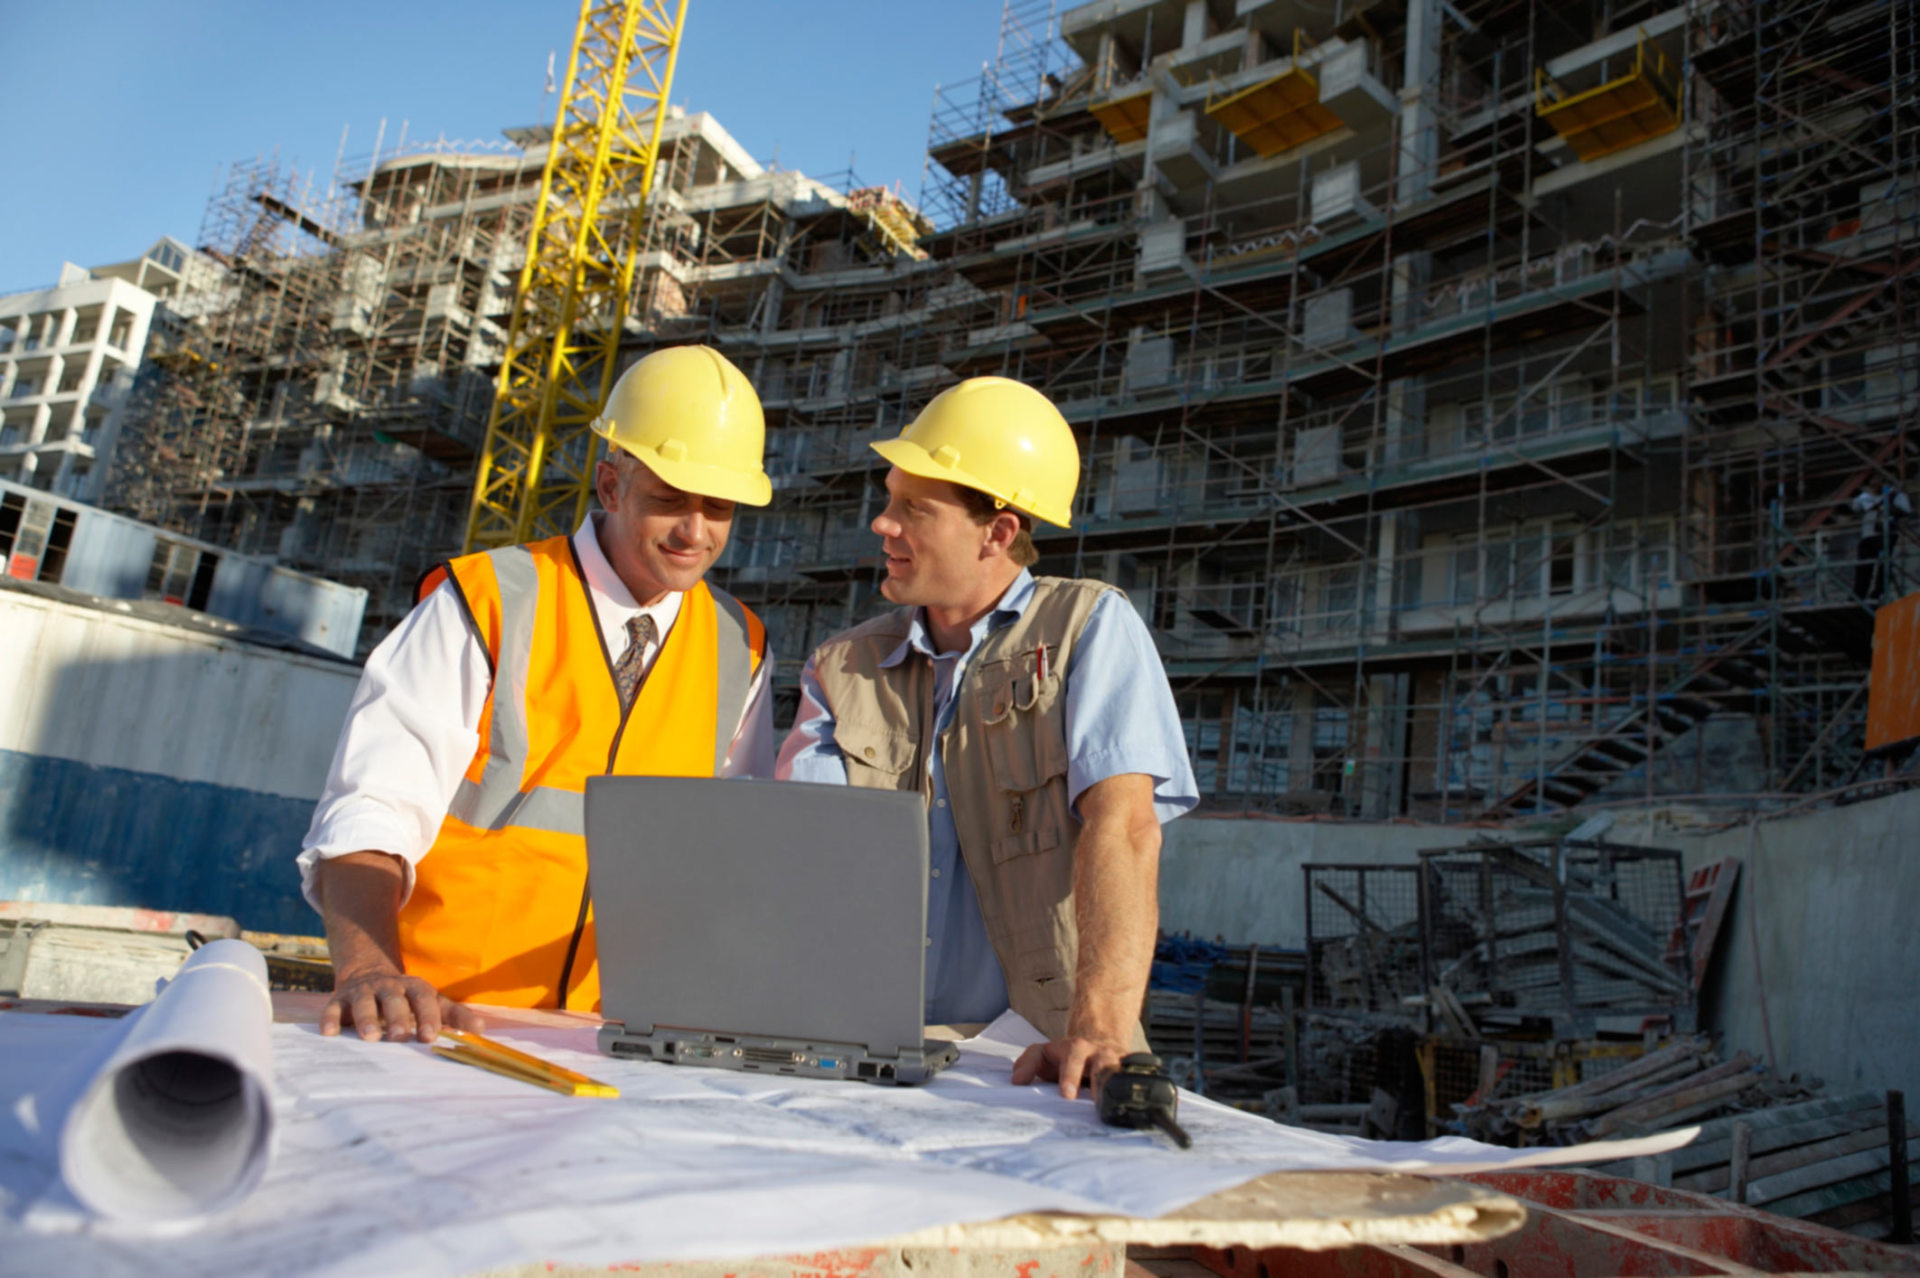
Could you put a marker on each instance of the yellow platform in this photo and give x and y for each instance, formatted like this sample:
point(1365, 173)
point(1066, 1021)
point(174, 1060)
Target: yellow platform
point(1623, 112)
point(1279, 114)
point(1125, 117)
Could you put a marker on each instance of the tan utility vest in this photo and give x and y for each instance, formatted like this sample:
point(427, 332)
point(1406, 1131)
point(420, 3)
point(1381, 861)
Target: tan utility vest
point(1005, 757)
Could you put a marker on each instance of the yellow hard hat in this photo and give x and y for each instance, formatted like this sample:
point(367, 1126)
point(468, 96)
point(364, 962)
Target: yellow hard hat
point(1000, 437)
point(694, 419)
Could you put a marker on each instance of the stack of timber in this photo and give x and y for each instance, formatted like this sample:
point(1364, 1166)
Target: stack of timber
point(1229, 1033)
point(1832, 1161)
point(1684, 1082)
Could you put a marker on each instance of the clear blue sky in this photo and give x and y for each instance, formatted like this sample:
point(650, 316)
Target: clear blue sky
point(122, 110)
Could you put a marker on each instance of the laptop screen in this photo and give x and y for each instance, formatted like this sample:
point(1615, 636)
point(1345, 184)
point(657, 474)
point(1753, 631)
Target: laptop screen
point(765, 908)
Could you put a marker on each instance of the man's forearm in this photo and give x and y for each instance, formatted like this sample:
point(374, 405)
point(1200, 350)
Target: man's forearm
point(360, 901)
point(1116, 906)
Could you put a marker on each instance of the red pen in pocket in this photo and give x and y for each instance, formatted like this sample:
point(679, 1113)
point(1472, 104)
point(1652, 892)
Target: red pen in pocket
point(1043, 663)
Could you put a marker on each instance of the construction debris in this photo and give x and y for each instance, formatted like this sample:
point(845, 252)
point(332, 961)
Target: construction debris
point(1682, 1082)
point(1489, 937)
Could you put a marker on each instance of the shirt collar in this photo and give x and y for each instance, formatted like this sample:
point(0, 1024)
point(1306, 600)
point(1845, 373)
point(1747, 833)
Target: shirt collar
point(1012, 604)
point(606, 583)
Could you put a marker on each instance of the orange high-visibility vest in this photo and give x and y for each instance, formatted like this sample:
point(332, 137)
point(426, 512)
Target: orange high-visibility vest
point(500, 912)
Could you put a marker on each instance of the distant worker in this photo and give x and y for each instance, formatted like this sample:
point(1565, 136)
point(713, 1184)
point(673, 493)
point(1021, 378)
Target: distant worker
point(1881, 514)
point(447, 853)
point(1034, 716)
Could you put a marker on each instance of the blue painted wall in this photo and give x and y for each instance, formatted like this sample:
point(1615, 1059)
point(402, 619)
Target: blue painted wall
point(86, 835)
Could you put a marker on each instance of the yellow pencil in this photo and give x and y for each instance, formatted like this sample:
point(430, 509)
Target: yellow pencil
point(524, 1074)
point(488, 1047)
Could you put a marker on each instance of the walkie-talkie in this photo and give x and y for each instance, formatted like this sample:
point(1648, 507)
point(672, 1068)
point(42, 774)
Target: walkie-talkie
point(1139, 1094)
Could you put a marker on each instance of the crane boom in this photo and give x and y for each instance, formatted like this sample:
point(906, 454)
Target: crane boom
point(563, 340)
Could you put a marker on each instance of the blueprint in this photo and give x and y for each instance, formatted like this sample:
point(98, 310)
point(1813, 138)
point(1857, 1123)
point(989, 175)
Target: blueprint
point(392, 1160)
point(172, 1118)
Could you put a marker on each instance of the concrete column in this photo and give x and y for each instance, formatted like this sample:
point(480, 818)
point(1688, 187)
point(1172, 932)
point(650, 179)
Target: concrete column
point(776, 296)
point(1385, 575)
point(1419, 138)
point(1381, 770)
point(1406, 421)
point(1300, 742)
point(1104, 70)
point(1223, 758)
point(64, 332)
point(1196, 25)
point(1419, 150)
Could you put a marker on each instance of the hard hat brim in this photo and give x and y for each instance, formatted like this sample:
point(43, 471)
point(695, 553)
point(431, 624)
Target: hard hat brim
point(915, 460)
point(706, 481)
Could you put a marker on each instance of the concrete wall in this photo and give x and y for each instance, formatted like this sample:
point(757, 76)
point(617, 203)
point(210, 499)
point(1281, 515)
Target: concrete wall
point(144, 764)
point(1826, 902)
point(1822, 946)
point(1240, 879)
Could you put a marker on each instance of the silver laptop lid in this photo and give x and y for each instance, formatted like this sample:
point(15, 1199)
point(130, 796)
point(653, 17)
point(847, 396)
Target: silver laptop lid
point(760, 907)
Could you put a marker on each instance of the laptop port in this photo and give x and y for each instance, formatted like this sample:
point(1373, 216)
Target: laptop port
point(767, 1056)
point(867, 1069)
point(621, 1048)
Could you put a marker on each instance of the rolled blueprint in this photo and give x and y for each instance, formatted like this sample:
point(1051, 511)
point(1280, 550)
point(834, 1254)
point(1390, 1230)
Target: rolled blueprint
point(177, 1120)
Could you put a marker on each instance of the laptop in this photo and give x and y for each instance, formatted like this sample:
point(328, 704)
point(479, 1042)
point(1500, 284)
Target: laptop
point(765, 926)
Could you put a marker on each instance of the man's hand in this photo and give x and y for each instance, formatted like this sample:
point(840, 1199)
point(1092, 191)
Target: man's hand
point(409, 1006)
point(1070, 1061)
point(360, 900)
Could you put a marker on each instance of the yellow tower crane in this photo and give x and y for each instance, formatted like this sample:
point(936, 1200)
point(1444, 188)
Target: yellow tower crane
point(563, 341)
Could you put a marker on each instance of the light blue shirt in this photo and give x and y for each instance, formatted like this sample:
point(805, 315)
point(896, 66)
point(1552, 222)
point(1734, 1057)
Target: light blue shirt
point(1120, 719)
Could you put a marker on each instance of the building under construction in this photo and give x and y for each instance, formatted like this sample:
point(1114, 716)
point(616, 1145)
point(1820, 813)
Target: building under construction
point(1490, 406)
point(328, 403)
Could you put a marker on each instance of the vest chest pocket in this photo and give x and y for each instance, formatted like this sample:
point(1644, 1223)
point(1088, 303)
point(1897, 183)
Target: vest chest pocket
point(1022, 727)
point(876, 756)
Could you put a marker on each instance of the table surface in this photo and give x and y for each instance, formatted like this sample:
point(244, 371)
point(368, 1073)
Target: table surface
point(1310, 1210)
point(1307, 1210)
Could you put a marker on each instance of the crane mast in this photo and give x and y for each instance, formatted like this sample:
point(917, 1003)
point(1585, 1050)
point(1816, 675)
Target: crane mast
point(584, 245)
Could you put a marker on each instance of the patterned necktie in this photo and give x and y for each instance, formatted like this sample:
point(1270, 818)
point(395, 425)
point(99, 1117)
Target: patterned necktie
point(626, 674)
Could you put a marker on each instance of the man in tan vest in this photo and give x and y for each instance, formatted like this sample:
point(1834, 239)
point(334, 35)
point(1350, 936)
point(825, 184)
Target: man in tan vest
point(1033, 714)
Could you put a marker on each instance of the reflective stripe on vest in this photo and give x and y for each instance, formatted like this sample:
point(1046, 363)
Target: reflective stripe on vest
point(497, 802)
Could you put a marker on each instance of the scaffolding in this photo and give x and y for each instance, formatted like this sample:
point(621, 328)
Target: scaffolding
point(1473, 398)
point(325, 402)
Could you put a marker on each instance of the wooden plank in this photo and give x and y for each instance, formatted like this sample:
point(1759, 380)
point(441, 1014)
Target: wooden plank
point(1829, 1196)
point(1667, 1108)
point(1707, 935)
point(1705, 1155)
point(1652, 1062)
point(1556, 1107)
point(1769, 1189)
point(1783, 1115)
point(1716, 1179)
point(1740, 1165)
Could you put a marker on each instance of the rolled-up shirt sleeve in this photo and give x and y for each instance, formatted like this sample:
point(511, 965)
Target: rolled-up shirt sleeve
point(1120, 712)
point(809, 753)
point(411, 730)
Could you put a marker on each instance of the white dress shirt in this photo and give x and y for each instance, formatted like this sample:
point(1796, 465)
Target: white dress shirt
point(414, 722)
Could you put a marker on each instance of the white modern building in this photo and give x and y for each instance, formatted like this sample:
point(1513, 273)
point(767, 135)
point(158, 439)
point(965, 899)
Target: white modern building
point(67, 358)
